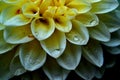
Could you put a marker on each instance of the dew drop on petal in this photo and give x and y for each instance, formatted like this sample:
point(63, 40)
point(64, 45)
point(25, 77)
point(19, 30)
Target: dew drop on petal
point(76, 38)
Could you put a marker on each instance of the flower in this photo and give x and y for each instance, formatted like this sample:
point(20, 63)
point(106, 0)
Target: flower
point(53, 34)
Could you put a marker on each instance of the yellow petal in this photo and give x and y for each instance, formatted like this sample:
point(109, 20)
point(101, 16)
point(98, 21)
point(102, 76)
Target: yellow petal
point(63, 24)
point(42, 28)
point(30, 10)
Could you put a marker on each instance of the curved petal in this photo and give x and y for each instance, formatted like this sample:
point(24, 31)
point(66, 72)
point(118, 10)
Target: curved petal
point(85, 70)
point(18, 20)
point(54, 45)
point(100, 32)
point(114, 50)
point(93, 53)
point(104, 6)
point(54, 71)
point(71, 57)
point(42, 28)
point(5, 60)
point(88, 19)
point(115, 39)
point(94, 1)
point(4, 46)
point(82, 6)
point(63, 24)
point(32, 56)
point(16, 67)
point(111, 21)
point(13, 10)
point(17, 35)
point(79, 34)
point(30, 10)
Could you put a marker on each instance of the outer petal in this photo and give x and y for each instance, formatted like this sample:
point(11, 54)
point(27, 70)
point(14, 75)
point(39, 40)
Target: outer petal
point(4, 46)
point(54, 45)
point(71, 57)
point(79, 34)
point(93, 53)
point(100, 32)
point(54, 71)
point(17, 35)
point(111, 21)
point(32, 56)
point(5, 60)
point(85, 70)
point(16, 67)
point(88, 19)
point(94, 1)
point(82, 6)
point(2, 26)
point(42, 28)
point(115, 39)
point(104, 6)
point(114, 50)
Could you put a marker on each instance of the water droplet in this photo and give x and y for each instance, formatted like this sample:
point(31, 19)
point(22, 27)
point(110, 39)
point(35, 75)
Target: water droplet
point(56, 53)
point(76, 38)
point(93, 22)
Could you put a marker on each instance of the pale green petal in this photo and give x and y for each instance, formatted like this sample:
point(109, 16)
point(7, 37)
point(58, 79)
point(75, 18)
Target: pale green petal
point(85, 70)
point(18, 20)
point(54, 71)
point(94, 1)
point(93, 53)
point(104, 6)
point(88, 19)
point(100, 32)
point(111, 21)
point(12, 10)
point(32, 56)
point(5, 60)
point(42, 28)
point(114, 50)
point(10, 1)
point(71, 57)
point(118, 13)
point(16, 67)
point(79, 34)
point(99, 72)
point(63, 24)
point(54, 45)
point(4, 46)
point(115, 39)
point(82, 6)
point(17, 35)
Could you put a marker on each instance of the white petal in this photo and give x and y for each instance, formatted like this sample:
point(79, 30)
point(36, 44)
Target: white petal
point(17, 35)
point(93, 53)
point(79, 34)
point(32, 56)
point(71, 57)
point(15, 66)
point(104, 6)
point(54, 45)
point(4, 46)
point(85, 70)
point(100, 32)
point(54, 71)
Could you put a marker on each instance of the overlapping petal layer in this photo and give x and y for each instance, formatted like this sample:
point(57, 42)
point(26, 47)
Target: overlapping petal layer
point(63, 29)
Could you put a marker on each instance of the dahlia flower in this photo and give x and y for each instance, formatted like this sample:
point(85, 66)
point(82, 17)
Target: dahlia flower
point(54, 35)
